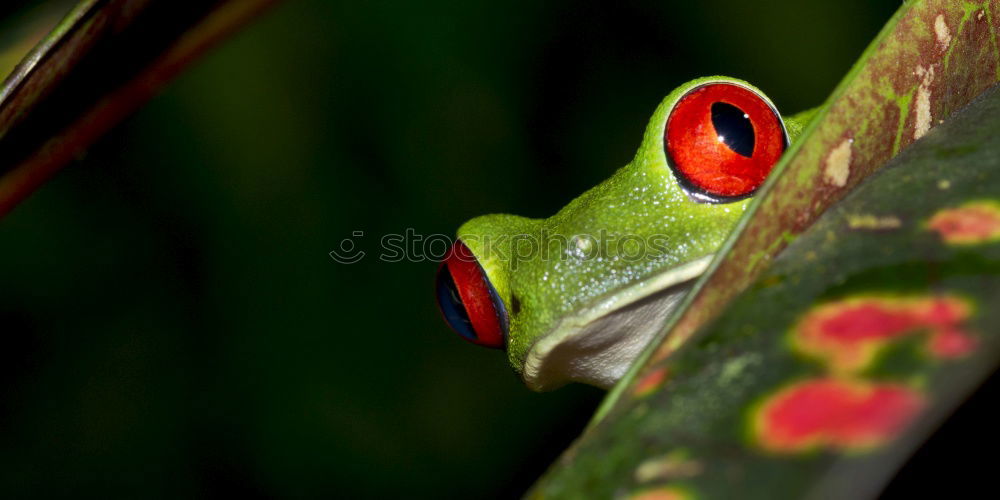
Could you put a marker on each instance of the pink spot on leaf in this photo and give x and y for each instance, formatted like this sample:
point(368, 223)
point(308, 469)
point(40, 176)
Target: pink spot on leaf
point(847, 334)
point(971, 223)
point(951, 343)
point(834, 413)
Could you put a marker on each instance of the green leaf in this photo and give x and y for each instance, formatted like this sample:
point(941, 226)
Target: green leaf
point(892, 290)
point(787, 392)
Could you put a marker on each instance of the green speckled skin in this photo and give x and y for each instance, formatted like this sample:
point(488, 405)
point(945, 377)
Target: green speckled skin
point(641, 201)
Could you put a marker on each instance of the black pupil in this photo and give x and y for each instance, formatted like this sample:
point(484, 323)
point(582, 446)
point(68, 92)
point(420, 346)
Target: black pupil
point(451, 305)
point(734, 128)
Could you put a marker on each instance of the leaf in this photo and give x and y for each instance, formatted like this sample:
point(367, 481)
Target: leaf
point(841, 359)
point(709, 410)
point(102, 61)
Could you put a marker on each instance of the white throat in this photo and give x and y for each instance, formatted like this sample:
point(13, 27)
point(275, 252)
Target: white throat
point(597, 344)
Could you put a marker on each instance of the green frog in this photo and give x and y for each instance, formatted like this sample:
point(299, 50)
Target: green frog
point(577, 297)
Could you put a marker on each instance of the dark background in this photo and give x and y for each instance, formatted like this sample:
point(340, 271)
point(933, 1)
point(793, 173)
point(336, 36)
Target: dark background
point(173, 325)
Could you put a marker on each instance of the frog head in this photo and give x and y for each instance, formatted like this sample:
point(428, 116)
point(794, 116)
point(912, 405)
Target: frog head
point(577, 296)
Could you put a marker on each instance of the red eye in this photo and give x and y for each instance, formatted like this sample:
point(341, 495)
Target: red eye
point(722, 140)
point(468, 301)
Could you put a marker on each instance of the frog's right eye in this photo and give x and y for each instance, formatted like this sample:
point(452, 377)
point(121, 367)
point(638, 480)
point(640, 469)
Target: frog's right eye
point(722, 140)
point(468, 301)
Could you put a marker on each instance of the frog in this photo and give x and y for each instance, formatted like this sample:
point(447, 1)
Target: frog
point(577, 297)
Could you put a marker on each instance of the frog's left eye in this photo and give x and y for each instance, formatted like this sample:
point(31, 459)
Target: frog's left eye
point(470, 304)
point(722, 139)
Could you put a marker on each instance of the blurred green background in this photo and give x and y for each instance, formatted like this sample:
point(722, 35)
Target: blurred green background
point(174, 326)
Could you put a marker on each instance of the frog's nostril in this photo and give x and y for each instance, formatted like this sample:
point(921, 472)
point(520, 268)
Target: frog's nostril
point(515, 304)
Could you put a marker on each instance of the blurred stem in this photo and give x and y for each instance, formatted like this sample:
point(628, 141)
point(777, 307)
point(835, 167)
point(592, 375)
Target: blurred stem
point(99, 65)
